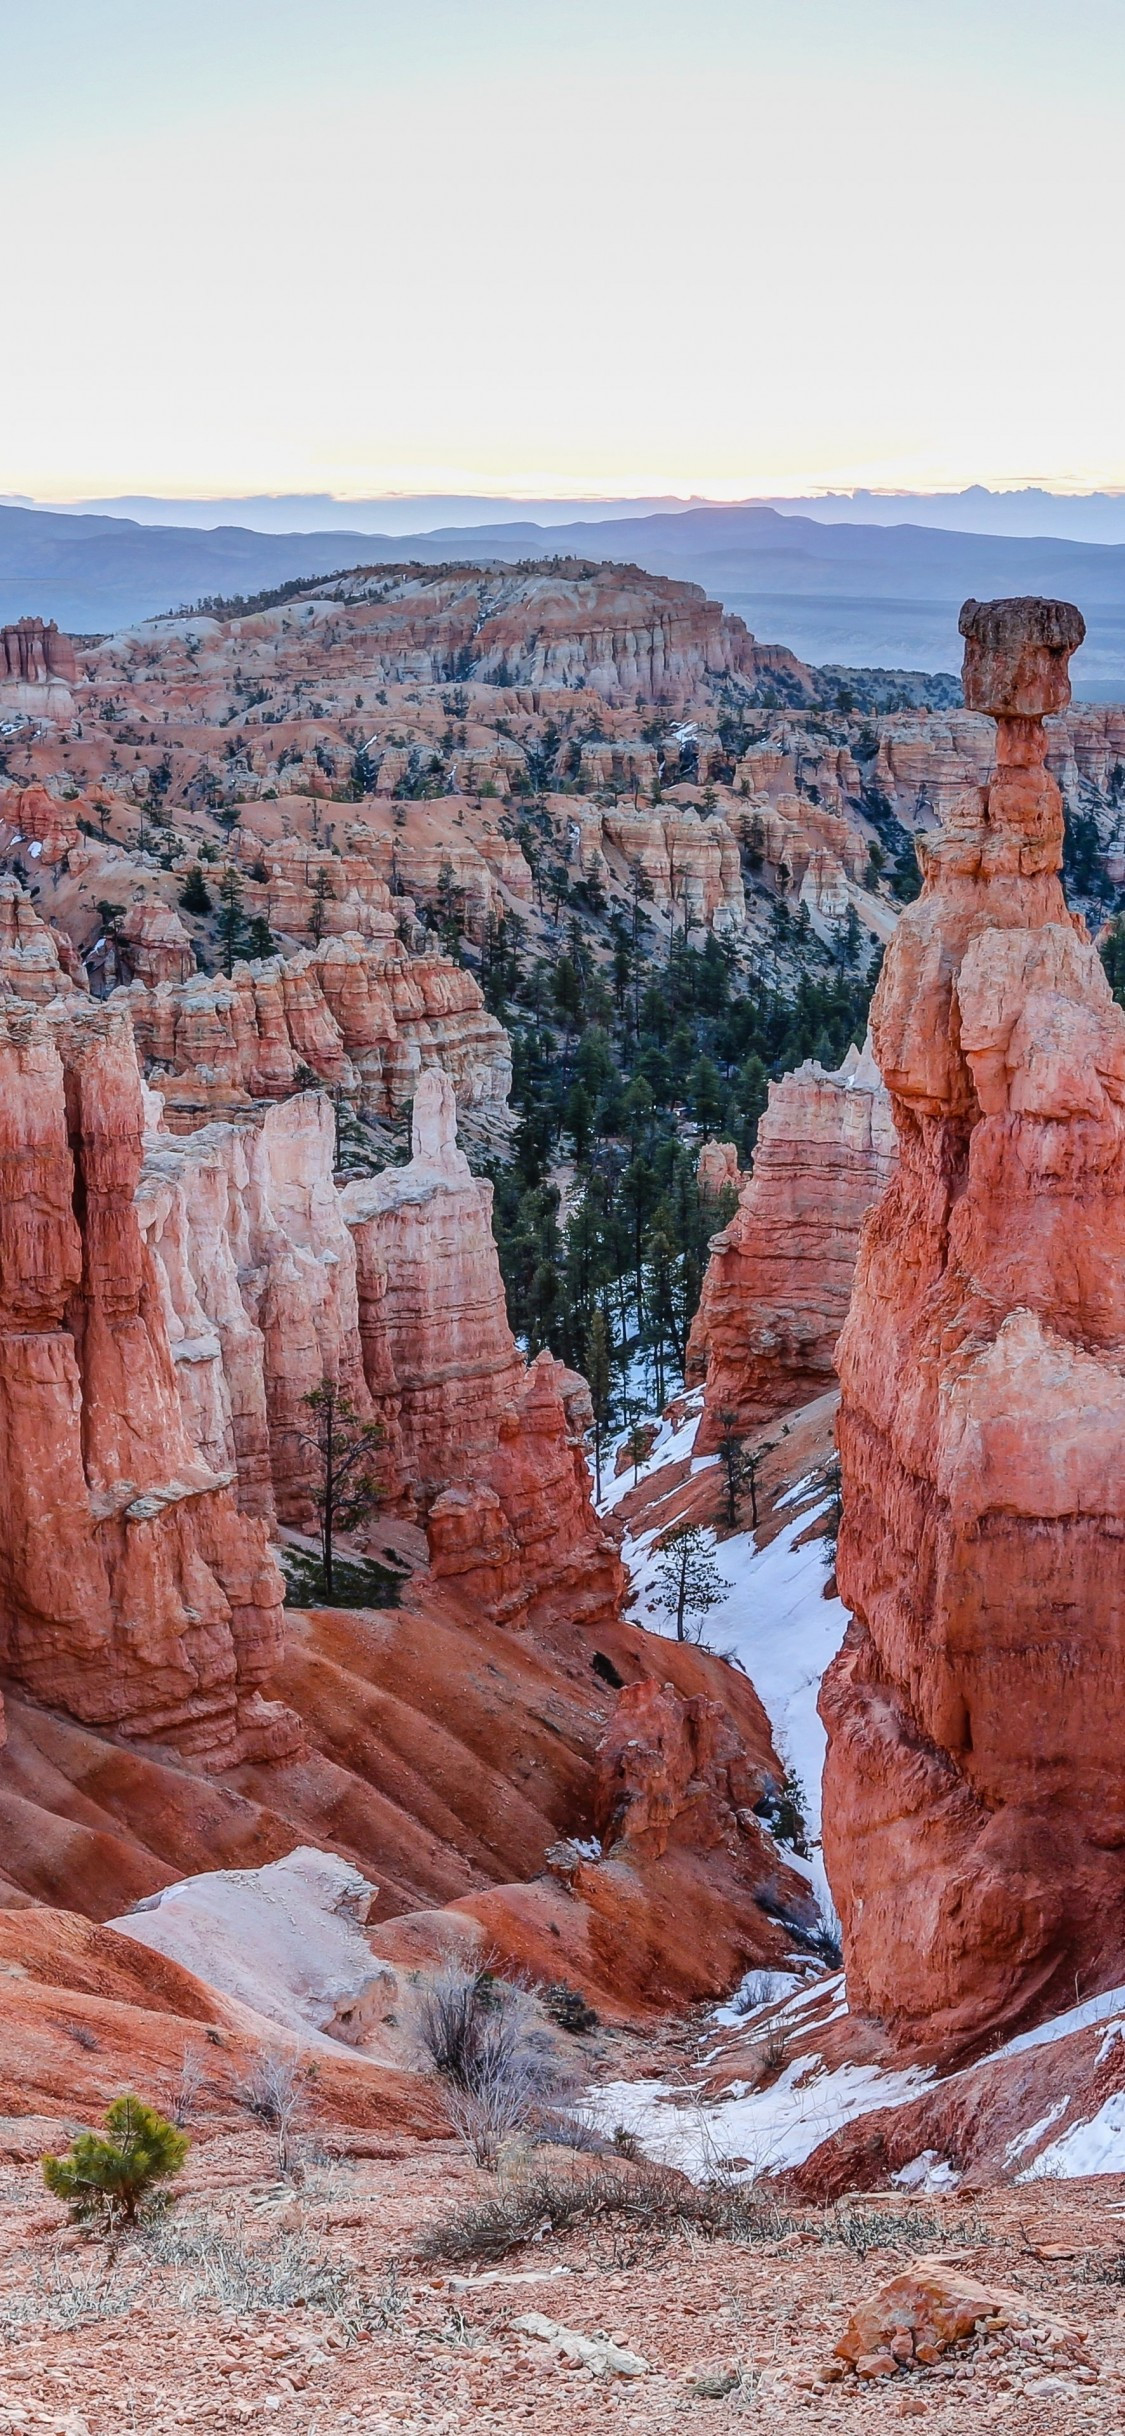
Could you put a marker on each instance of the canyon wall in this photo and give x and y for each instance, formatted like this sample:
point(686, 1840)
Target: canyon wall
point(778, 1281)
point(432, 1314)
point(270, 1280)
point(134, 1594)
point(974, 1825)
point(161, 1324)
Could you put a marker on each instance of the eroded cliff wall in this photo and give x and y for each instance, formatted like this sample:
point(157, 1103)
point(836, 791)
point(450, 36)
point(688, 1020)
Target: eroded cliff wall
point(780, 1275)
point(132, 1591)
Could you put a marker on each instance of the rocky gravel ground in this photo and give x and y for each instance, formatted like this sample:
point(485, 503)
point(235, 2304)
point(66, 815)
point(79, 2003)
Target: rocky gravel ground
point(303, 2306)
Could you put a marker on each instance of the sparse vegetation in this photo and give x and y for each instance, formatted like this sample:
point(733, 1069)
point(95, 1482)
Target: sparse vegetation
point(357, 1581)
point(278, 2093)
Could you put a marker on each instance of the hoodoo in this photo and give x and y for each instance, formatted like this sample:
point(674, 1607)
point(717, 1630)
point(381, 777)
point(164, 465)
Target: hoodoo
point(975, 1822)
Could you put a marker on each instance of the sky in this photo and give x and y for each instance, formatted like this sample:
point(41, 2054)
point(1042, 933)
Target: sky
point(727, 247)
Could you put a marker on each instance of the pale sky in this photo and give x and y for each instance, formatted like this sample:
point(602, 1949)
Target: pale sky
point(725, 246)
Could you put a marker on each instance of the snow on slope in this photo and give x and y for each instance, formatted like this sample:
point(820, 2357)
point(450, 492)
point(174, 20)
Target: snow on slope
point(764, 2130)
point(774, 1620)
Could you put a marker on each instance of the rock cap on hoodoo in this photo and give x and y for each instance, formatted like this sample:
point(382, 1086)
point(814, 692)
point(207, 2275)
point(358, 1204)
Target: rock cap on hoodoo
point(1016, 655)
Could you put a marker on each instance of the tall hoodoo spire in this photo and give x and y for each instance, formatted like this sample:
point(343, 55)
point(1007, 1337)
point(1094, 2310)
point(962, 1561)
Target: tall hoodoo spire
point(974, 1795)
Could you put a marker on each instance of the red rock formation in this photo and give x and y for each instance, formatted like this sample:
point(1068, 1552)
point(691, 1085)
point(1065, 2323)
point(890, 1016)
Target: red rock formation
point(86, 2012)
point(309, 892)
point(134, 1594)
point(687, 1887)
point(778, 1281)
point(974, 1821)
point(432, 1314)
point(43, 826)
point(32, 652)
point(347, 1013)
point(519, 1539)
point(717, 1170)
point(492, 1451)
point(36, 963)
point(673, 1767)
point(690, 864)
point(155, 945)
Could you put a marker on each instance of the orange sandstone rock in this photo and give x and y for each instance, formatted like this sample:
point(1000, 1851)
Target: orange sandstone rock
point(522, 1542)
point(134, 1594)
point(36, 962)
point(45, 824)
point(717, 1169)
point(155, 944)
point(257, 1272)
point(348, 1013)
point(777, 1284)
point(974, 1822)
point(432, 1313)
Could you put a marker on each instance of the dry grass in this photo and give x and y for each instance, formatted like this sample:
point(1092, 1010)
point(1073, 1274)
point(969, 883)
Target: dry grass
point(555, 2199)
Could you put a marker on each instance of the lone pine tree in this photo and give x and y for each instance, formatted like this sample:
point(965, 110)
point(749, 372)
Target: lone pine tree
point(340, 1446)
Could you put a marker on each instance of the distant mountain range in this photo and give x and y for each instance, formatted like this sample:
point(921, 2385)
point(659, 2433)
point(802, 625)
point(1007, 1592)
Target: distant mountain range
point(1030, 512)
point(866, 594)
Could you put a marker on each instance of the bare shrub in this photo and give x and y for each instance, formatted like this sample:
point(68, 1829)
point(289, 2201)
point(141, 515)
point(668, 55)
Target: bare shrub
point(775, 2048)
point(916, 2229)
point(569, 2009)
point(651, 2198)
point(761, 1988)
point(190, 2083)
point(499, 2071)
point(277, 2092)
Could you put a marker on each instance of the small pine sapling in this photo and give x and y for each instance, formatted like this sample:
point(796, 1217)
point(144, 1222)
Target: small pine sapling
point(108, 2176)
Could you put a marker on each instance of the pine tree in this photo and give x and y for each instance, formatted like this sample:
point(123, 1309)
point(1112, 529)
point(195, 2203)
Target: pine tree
point(599, 1357)
point(638, 1442)
point(340, 1445)
point(109, 2176)
point(689, 1583)
point(321, 891)
point(260, 941)
point(231, 921)
point(732, 1462)
point(194, 895)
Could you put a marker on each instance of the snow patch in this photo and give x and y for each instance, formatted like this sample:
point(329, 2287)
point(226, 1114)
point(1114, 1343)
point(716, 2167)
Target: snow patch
point(1096, 2147)
point(1034, 2131)
point(755, 1994)
point(673, 1441)
point(763, 2131)
point(1104, 2008)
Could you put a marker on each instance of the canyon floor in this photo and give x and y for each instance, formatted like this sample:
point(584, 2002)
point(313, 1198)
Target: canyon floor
point(303, 2306)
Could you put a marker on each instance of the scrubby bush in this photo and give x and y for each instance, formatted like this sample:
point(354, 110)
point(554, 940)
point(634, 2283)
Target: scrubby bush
point(554, 2199)
point(108, 2177)
point(569, 2009)
point(497, 2065)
